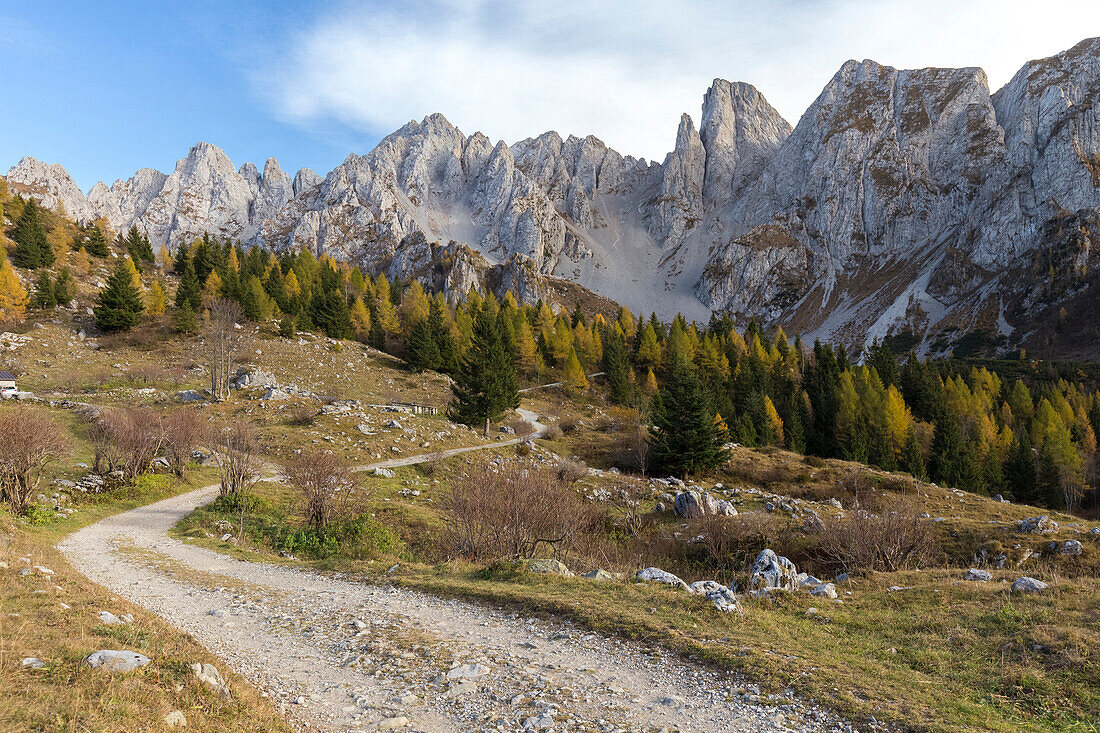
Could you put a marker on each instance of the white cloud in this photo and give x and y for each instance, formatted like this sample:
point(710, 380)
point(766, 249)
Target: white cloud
point(625, 70)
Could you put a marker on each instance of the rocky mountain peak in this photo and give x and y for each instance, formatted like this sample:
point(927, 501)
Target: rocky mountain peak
point(740, 132)
point(50, 184)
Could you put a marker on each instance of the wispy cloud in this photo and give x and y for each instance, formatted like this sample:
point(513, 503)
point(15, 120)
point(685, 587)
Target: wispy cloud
point(624, 70)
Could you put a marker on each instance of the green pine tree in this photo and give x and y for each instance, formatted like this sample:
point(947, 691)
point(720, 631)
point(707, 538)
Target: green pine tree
point(330, 313)
point(64, 286)
point(185, 318)
point(684, 436)
point(181, 260)
point(189, 290)
point(421, 351)
point(96, 246)
point(913, 459)
point(137, 244)
point(43, 292)
point(616, 368)
point(31, 248)
point(485, 385)
point(118, 305)
point(287, 328)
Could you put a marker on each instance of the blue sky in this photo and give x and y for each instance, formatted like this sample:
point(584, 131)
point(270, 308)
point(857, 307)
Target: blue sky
point(105, 88)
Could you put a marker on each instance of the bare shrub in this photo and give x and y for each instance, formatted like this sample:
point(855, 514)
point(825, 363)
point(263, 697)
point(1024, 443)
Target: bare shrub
point(433, 465)
point(894, 539)
point(731, 543)
point(512, 512)
point(183, 431)
point(553, 432)
point(236, 452)
point(634, 449)
point(521, 427)
point(326, 483)
point(127, 439)
point(302, 416)
point(223, 338)
point(571, 470)
point(29, 441)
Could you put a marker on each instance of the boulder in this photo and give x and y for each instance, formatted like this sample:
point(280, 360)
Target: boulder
point(705, 587)
point(725, 509)
point(978, 575)
point(383, 473)
point(1069, 547)
point(691, 504)
point(1028, 585)
point(109, 619)
point(825, 590)
point(113, 660)
point(1037, 525)
point(600, 575)
point(656, 575)
point(189, 395)
point(209, 675)
point(773, 571)
point(33, 663)
point(551, 566)
point(725, 601)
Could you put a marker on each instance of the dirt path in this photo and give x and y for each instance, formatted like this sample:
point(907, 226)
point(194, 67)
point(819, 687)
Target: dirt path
point(338, 655)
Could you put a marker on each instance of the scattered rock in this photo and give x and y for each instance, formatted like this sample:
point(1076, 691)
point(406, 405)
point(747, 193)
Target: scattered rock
point(384, 473)
point(33, 663)
point(656, 575)
point(113, 660)
point(462, 688)
point(1028, 585)
point(110, 619)
point(211, 677)
point(600, 575)
point(553, 567)
point(692, 504)
point(394, 723)
point(175, 719)
point(1037, 525)
point(1069, 547)
point(773, 571)
point(978, 575)
point(468, 672)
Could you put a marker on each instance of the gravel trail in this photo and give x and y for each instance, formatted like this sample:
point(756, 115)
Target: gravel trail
point(338, 655)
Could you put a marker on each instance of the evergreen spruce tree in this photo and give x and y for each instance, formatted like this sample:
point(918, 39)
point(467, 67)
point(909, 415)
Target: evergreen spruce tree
point(948, 452)
point(617, 368)
point(684, 436)
point(189, 291)
point(43, 292)
point(377, 337)
point(182, 259)
point(421, 351)
point(330, 313)
point(141, 251)
point(118, 305)
point(913, 459)
point(96, 246)
point(32, 250)
point(287, 327)
point(485, 384)
point(64, 286)
point(445, 344)
point(185, 318)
